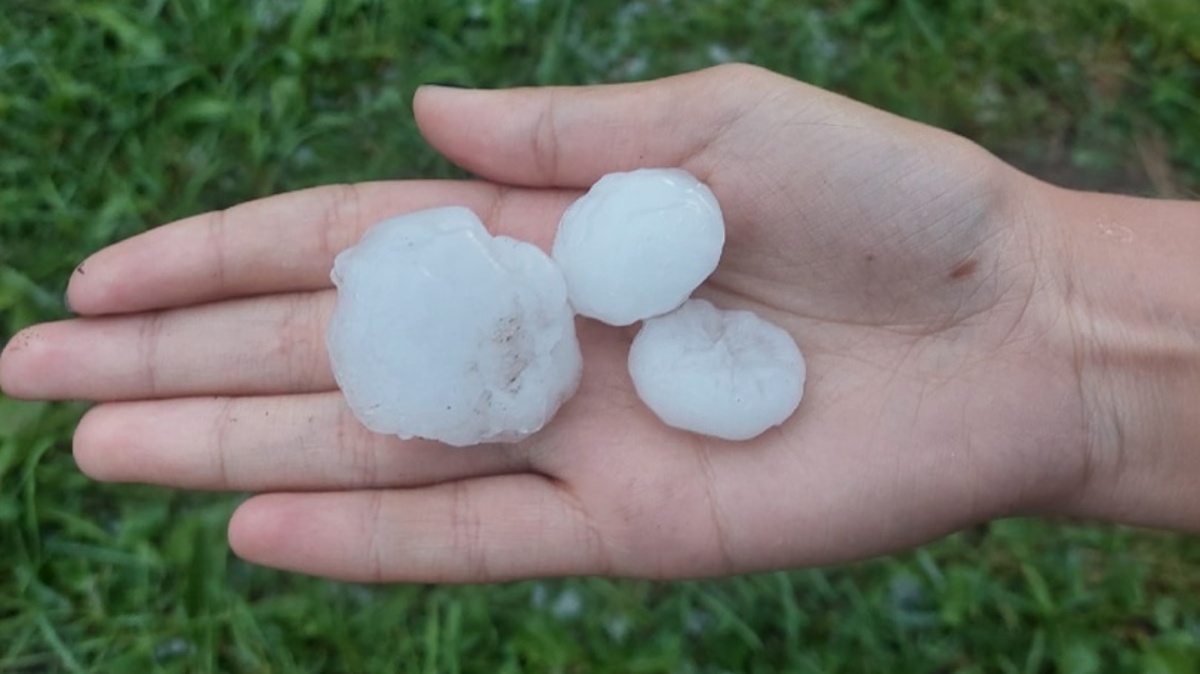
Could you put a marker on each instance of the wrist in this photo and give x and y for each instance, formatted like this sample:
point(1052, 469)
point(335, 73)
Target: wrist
point(1130, 294)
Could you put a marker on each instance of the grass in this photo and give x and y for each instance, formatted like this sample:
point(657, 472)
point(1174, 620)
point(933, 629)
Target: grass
point(115, 117)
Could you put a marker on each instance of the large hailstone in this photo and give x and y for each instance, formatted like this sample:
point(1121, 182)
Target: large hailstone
point(445, 332)
point(729, 374)
point(638, 243)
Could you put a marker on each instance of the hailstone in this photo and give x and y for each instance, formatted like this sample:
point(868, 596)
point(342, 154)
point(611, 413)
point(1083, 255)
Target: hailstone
point(638, 243)
point(442, 331)
point(728, 374)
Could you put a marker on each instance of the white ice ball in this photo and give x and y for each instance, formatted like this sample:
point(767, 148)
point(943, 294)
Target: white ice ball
point(445, 332)
point(729, 374)
point(638, 243)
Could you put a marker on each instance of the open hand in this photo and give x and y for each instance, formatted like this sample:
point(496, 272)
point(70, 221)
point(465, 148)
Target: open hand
point(898, 255)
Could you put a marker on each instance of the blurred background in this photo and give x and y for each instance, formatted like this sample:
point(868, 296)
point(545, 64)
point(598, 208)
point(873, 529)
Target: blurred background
point(119, 116)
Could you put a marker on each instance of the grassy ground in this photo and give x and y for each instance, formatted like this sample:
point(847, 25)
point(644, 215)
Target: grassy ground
point(115, 117)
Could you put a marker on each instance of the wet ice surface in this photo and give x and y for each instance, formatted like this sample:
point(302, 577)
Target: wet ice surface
point(638, 243)
point(728, 374)
point(442, 331)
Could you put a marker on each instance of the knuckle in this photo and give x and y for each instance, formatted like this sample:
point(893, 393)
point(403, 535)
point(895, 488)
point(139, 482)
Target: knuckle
point(150, 336)
point(467, 542)
point(343, 214)
point(545, 140)
point(372, 530)
point(299, 338)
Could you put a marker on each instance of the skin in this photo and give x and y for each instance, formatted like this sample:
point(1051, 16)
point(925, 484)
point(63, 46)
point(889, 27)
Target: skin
point(978, 347)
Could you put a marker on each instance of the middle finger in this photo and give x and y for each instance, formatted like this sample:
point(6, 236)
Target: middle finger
point(256, 346)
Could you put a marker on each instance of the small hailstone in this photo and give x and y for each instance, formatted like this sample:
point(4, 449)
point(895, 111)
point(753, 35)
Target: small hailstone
point(728, 374)
point(638, 243)
point(442, 331)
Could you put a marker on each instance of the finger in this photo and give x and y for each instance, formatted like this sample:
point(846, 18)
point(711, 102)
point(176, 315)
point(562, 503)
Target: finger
point(254, 346)
point(298, 442)
point(570, 136)
point(482, 530)
point(280, 244)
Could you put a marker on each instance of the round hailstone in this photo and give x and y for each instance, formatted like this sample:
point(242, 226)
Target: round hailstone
point(638, 243)
point(728, 374)
point(442, 331)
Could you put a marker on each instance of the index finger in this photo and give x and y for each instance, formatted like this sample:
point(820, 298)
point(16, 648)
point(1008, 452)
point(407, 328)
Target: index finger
point(283, 243)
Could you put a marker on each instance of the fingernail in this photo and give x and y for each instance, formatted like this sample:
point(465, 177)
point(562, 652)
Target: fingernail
point(79, 271)
point(447, 85)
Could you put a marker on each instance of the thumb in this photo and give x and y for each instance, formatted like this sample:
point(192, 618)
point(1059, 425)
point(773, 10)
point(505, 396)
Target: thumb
point(570, 136)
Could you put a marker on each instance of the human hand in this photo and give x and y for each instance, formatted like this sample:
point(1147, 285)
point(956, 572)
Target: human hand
point(940, 391)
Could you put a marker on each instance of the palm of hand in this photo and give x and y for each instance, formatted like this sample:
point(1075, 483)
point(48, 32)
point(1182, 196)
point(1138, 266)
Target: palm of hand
point(889, 259)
